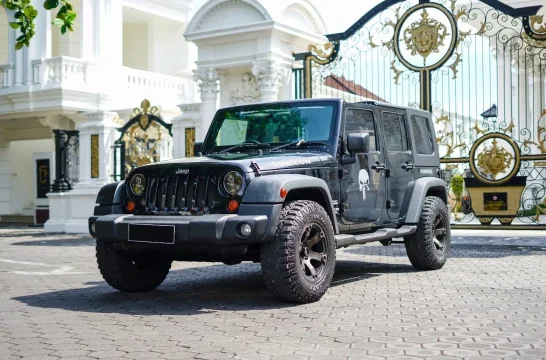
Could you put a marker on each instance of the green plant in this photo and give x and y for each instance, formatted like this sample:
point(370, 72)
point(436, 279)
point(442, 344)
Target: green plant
point(457, 187)
point(25, 14)
point(532, 212)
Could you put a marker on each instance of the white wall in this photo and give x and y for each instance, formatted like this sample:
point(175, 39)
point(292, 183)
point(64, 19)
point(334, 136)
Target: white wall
point(167, 48)
point(135, 45)
point(16, 168)
point(4, 28)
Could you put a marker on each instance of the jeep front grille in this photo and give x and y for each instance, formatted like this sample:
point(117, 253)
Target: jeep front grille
point(191, 193)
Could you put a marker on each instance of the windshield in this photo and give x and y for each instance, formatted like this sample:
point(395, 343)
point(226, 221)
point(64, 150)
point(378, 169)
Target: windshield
point(268, 126)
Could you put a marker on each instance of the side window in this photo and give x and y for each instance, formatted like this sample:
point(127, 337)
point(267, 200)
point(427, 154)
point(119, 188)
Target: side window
point(423, 135)
point(396, 136)
point(361, 121)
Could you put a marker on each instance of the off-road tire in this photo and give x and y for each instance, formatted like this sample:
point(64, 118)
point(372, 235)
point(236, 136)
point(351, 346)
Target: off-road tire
point(122, 273)
point(281, 262)
point(420, 247)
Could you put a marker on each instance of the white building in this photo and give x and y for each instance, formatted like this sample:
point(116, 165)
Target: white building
point(187, 62)
point(122, 52)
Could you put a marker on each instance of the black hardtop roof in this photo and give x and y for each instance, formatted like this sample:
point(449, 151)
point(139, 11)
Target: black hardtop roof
point(338, 100)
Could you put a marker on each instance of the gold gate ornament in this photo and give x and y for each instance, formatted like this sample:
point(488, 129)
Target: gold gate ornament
point(495, 160)
point(425, 36)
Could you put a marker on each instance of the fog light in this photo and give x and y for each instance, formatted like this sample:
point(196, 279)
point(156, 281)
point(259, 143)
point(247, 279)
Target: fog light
point(246, 230)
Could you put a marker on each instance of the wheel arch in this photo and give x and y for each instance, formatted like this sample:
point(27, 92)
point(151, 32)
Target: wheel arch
point(266, 189)
point(422, 188)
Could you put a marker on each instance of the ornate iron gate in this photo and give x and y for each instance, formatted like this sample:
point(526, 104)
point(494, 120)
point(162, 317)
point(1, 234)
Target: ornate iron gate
point(144, 139)
point(479, 67)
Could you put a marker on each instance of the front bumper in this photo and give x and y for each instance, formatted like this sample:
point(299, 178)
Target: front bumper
point(217, 229)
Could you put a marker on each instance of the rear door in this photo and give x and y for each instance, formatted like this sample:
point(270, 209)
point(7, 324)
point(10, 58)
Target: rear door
point(399, 158)
point(426, 158)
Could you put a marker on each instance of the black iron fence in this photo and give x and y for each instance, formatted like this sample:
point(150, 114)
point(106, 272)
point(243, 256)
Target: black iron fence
point(66, 159)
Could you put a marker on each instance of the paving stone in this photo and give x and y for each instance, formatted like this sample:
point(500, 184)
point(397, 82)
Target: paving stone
point(487, 303)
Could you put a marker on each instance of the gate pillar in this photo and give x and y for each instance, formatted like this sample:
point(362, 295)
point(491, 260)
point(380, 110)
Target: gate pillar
point(97, 137)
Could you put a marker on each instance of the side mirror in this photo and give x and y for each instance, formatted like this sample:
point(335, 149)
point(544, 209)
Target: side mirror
point(197, 148)
point(358, 143)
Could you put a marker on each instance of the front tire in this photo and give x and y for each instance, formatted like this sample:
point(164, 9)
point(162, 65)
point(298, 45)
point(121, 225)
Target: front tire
point(428, 248)
point(128, 274)
point(299, 264)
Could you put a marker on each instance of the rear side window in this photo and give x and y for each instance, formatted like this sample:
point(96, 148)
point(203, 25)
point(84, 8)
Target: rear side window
point(423, 135)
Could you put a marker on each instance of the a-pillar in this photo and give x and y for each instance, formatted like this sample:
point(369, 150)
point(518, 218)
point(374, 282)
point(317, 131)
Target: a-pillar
point(270, 76)
point(208, 79)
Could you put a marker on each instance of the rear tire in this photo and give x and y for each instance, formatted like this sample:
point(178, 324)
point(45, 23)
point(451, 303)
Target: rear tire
point(124, 273)
point(428, 248)
point(299, 264)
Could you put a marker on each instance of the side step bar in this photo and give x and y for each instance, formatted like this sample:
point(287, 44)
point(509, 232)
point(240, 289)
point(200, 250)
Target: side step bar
point(381, 234)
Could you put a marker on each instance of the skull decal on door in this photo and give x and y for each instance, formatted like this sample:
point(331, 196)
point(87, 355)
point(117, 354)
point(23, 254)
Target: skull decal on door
point(363, 182)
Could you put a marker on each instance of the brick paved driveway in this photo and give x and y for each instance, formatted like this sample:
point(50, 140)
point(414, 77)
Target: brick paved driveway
point(488, 302)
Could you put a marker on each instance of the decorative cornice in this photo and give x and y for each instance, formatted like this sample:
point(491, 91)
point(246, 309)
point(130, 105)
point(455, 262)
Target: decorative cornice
point(211, 7)
point(269, 74)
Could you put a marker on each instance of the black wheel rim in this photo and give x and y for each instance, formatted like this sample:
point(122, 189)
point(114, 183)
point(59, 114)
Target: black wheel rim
point(439, 234)
point(313, 256)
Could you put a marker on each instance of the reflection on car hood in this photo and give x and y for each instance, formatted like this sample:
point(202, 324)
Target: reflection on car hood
point(267, 161)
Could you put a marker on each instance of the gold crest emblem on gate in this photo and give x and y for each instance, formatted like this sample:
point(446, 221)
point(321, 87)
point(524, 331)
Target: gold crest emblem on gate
point(495, 160)
point(425, 36)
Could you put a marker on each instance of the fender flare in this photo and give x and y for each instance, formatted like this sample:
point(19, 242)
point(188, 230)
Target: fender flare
point(266, 190)
point(110, 199)
point(421, 188)
point(111, 194)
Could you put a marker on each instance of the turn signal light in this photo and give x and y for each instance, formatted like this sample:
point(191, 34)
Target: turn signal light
point(283, 193)
point(233, 206)
point(131, 206)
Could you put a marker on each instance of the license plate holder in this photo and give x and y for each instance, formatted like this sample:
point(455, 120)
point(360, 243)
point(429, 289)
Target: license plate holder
point(151, 233)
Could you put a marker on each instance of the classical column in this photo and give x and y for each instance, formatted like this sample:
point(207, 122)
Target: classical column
point(40, 45)
point(208, 79)
point(97, 137)
point(270, 75)
point(101, 40)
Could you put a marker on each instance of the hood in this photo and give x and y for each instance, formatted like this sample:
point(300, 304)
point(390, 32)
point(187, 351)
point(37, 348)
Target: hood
point(265, 162)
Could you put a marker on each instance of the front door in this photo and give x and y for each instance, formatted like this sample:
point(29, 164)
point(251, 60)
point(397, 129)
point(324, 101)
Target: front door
point(400, 168)
point(364, 188)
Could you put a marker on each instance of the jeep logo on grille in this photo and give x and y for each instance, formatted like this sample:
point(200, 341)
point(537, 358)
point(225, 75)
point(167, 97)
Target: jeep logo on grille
point(182, 172)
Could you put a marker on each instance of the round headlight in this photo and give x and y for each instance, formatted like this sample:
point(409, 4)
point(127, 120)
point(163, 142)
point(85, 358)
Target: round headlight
point(233, 182)
point(138, 184)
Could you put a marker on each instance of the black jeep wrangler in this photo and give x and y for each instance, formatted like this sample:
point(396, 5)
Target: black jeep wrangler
point(284, 184)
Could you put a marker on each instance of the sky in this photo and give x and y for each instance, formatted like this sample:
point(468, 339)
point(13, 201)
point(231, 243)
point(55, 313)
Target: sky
point(336, 20)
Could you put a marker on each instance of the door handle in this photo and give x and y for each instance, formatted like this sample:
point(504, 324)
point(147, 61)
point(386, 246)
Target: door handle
point(408, 166)
point(379, 167)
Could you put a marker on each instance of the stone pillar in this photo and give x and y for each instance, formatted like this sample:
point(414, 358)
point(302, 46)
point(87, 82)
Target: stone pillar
point(270, 75)
point(71, 210)
point(179, 137)
point(208, 79)
point(102, 39)
point(40, 45)
point(97, 137)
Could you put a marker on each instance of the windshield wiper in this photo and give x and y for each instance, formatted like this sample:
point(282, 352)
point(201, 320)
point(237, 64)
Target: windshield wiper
point(244, 144)
point(300, 143)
